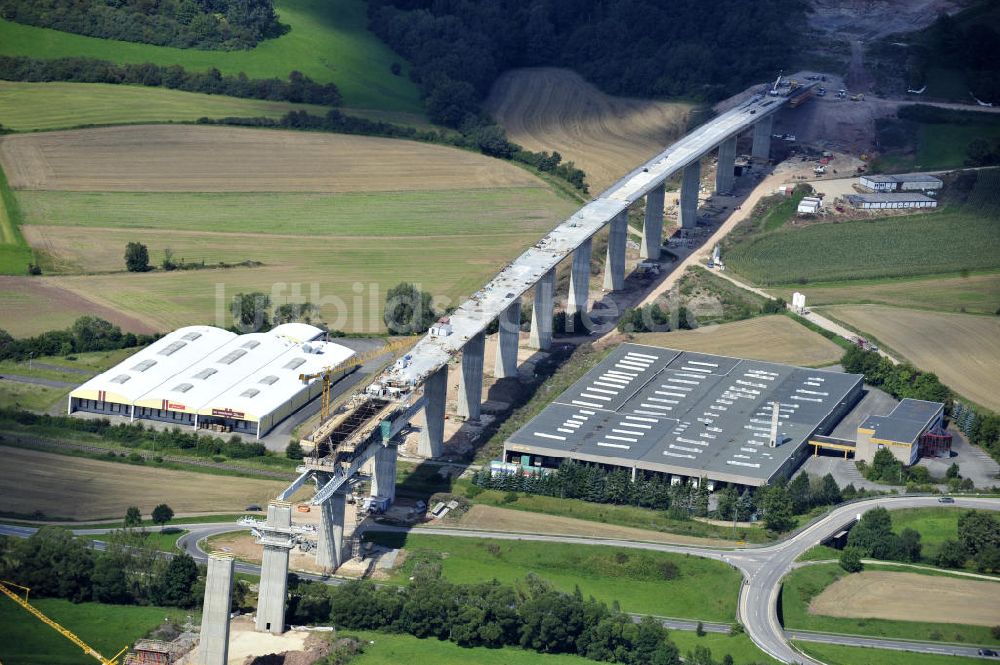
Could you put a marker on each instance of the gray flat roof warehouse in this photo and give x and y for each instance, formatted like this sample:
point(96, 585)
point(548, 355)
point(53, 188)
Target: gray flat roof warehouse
point(690, 415)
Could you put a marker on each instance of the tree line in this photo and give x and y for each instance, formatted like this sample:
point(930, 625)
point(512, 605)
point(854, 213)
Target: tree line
point(131, 571)
point(485, 138)
point(137, 435)
point(298, 87)
point(977, 545)
point(529, 614)
point(202, 24)
point(88, 333)
point(776, 505)
point(687, 48)
point(900, 381)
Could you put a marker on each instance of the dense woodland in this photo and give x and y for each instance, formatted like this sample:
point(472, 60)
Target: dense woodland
point(684, 48)
point(966, 43)
point(298, 87)
point(204, 24)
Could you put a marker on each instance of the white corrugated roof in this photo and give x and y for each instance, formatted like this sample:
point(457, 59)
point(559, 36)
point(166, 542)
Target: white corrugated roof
point(297, 332)
point(192, 387)
point(157, 363)
point(272, 385)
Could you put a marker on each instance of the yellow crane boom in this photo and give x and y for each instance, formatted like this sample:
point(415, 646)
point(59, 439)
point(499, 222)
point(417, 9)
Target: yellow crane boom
point(68, 634)
point(360, 359)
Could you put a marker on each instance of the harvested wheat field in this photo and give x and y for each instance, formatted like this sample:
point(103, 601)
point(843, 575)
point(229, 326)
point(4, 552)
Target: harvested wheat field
point(890, 595)
point(547, 108)
point(774, 338)
point(962, 349)
point(84, 489)
point(165, 158)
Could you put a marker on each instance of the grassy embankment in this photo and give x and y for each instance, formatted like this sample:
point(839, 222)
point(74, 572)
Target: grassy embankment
point(639, 580)
point(328, 41)
point(15, 254)
point(804, 584)
point(24, 640)
point(35, 397)
point(834, 654)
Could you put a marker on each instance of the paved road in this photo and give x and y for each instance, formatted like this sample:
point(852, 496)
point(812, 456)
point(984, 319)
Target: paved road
point(763, 569)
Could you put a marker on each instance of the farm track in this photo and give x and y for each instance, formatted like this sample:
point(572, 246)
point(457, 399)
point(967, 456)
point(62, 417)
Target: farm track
point(550, 109)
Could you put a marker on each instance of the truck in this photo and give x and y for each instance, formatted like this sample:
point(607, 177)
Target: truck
point(376, 505)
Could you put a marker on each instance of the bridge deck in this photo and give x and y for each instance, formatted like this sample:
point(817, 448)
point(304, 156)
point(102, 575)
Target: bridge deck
point(476, 313)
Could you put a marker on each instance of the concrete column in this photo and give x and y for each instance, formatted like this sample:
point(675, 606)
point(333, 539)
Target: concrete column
point(652, 227)
point(762, 138)
point(435, 392)
point(614, 264)
point(689, 195)
point(330, 541)
point(579, 280)
point(724, 177)
point(470, 387)
point(384, 473)
point(541, 312)
point(510, 330)
point(274, 568)
point(213, 649)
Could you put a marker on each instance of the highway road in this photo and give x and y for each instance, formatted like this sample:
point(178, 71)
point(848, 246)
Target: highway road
point(763, 569)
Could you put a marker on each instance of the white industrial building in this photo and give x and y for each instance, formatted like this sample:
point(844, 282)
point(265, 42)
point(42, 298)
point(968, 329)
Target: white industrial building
point(910, 182)
point(207, 377)
point(890, 201)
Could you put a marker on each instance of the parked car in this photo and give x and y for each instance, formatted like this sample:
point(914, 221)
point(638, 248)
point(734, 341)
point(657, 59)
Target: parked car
point(253, 507)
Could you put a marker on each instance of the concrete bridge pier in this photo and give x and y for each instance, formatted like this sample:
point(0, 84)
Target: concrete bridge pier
point(435, 392)
point(541, 312)
point(579, 280)
point(330, 541)
point(277, 543)
point(614, 265)
point(652, 227)
point(690, 184)
point(470, 383)
point(724, 177)
point(510, 330)
point(213, 648)
point(762, 138)
point(384, 473)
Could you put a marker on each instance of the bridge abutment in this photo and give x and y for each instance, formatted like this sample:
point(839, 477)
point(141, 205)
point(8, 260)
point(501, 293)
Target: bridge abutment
point(690, 184)
point(579, 280)
point(507, 338)
point(724, 177)
point(762, 138)
point(470, 388)
point(541, 312)
point(652, 227)
point(614, 265)
point(432, 436)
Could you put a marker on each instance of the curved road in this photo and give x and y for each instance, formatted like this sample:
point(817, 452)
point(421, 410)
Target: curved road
point(763, 569)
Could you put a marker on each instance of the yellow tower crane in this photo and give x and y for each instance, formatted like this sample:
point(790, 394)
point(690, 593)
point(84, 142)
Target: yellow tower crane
point(335, 372)
point(68, 634)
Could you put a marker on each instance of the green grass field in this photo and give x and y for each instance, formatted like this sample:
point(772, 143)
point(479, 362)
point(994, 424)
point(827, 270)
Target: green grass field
point(328, 41)
point(632, 516)
point(164, 541)
point(15, 255)
point(804, 584)
point(37, 106)
point(935, 525)
point(973, 294)
point(24, 640)
point(41, 398)
point(703, 589)
point(388, 649)
point(366, 214)
point(740, 647)
point(834, 654)
point(926, 244)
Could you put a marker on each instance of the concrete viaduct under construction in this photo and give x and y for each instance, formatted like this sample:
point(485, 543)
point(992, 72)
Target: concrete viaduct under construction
point(365, 430)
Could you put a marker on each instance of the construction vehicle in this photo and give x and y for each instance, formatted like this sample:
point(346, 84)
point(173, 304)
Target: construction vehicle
point(5, 586)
